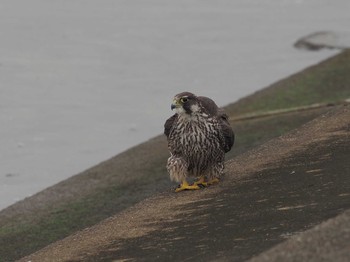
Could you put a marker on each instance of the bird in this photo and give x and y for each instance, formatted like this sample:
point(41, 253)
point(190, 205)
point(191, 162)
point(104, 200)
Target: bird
point(198, 135)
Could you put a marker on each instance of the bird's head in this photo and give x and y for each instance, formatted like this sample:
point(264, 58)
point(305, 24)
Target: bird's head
point(185, 103)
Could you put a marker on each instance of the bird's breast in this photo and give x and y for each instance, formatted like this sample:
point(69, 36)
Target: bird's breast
point(194, 136)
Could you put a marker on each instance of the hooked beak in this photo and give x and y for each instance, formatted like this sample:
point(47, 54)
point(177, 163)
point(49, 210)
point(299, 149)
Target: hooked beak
point(175, 104)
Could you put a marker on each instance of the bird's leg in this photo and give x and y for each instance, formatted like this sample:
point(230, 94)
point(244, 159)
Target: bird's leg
point(201, 181)
point(185, 186)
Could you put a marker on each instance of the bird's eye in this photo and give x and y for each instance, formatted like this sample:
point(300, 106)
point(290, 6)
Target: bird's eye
point(184, 99)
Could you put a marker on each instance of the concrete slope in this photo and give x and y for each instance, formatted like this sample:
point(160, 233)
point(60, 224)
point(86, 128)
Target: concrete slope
point(284, 187)
point(329, 241)
point(138, 173)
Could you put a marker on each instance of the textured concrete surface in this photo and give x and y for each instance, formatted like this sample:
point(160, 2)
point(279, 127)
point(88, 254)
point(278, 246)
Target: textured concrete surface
point(270, 194)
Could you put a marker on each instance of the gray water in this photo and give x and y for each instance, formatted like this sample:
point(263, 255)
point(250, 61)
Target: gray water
point(83, 80)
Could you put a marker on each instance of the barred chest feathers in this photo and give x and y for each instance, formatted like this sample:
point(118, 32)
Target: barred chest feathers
point(194, 133)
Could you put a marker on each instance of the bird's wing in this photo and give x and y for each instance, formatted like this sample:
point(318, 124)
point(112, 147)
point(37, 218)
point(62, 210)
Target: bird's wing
point(208, 105)
point(169, 124)
point(228, 134)
point(212, 109)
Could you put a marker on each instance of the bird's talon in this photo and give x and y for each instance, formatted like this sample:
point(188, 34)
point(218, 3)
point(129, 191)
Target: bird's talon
point(201, 182)
point(202, 185)
point(185, 186)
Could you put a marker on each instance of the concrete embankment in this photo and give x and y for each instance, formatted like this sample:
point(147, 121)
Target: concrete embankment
point(136, 177)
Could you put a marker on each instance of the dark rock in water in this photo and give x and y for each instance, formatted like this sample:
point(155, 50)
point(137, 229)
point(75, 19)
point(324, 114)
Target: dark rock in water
point(324, 39)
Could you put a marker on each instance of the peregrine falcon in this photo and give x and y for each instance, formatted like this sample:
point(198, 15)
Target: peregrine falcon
point(199, 135)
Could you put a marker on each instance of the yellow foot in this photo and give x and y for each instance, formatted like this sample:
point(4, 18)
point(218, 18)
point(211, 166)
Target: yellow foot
point(185, 186)
point(203, 183)
point(213, 181)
